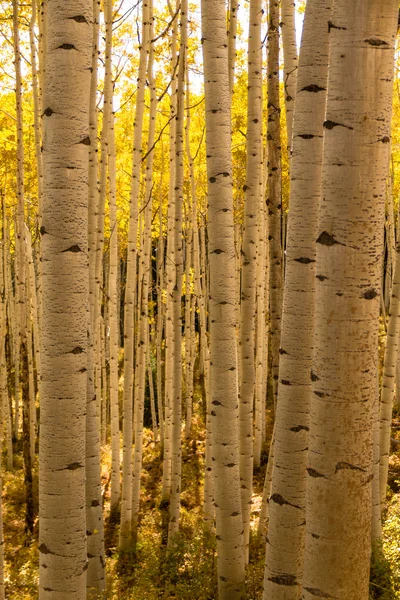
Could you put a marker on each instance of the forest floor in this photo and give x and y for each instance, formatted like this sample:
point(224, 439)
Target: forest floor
point(188, 572)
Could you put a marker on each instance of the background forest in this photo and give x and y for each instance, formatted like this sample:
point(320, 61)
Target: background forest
point(203, 194)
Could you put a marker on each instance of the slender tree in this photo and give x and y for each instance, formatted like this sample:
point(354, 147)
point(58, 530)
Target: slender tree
point(274, 198)
point(249, 264)
point(223, 359)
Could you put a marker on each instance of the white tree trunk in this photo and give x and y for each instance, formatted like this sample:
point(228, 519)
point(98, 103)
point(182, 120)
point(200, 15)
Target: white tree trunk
point(285, 545)
point(62, 537)
point(221, 252)
point(349, 248)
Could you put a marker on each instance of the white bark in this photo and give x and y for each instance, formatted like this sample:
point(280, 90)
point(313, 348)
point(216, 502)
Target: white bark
point(62, 541)
point(221, 252)
point(349, 248)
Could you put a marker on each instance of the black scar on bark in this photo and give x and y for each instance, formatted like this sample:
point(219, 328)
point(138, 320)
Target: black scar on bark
point(44, 549)
point(321, 277)
point(304, 260)
point(313, 376)
point(67, 47)
point(77, 350)
point(306, 136)
point(48, 112)
point(314, 473)
point(217, 251)
point(285, 382)
point(331, 124)
point(332, 26)
point(298, 428)
point(376, 42)
point(85, 141)
point(284, 579)
point(282, 351)
point(74, 248)
point(326, 239)
point(313, 87)
point(344, 465)
point(370, 294)
point(73, 467)
point(278, 499)
point(95, 503)
point(42, 230)
point(79, 19)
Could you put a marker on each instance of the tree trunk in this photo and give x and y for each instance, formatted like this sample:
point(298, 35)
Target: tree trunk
point(274, 199)
point(249, 263)
point(62, 537)
point(285, 545)
point(349, 248)
point(130, 295)
point(221, 252)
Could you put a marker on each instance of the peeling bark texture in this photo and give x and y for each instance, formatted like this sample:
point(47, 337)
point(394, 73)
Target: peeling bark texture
point(221, 252)
point(284, 554)
point(62, 536)
point(349, 248)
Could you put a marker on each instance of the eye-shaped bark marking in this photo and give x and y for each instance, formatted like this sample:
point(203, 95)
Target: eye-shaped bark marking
point(284, 579)
point(376, 42)
point(67, 47)
point(313, 87)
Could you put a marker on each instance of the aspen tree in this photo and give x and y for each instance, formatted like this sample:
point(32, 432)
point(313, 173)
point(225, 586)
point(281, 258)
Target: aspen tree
point(130, 295)
point(62, 535)
point(3, 402)
point(232, 33)
point(188, 334)
point(113, 314)
point(176, 451)
point(223, 360)
point(144, 276)
point(248, 275)
point(285, 545)
point(94, 514)
point(376, 523)
point(20, 282)
point(8, 317)
point(113, 267)
point(37, 109)
point(170, 279)
point(274, 195)
point(389, 375)
point(261, 357)
point(160, 317)
point(199, 283)
point(289, 45)
point(349, 246)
